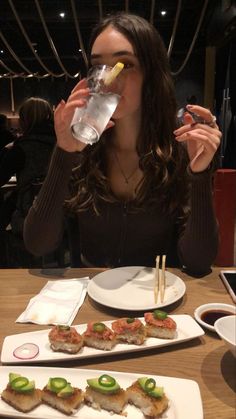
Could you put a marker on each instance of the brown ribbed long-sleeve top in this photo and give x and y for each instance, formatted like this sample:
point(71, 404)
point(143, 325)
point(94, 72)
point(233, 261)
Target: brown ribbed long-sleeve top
point(118, 236)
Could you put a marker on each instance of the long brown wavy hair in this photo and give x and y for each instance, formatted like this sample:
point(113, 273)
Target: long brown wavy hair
point(162, 160)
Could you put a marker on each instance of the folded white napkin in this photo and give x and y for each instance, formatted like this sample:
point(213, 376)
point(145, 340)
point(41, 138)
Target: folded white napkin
point(57, 302)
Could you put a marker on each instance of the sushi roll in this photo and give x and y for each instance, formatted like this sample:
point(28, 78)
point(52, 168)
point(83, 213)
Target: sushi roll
point(105, 393)
point(60, 395)
point(149, 398)
point(160, 325)
point(99, 336)
point(21, 393)
point(130, 330)
point(65, 339)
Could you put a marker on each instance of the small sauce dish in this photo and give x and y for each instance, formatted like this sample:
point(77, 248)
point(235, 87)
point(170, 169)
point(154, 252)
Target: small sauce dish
point(207, 314)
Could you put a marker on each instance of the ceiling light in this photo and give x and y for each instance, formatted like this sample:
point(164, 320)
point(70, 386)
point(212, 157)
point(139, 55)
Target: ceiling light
point(163, 12)
point(62, 14)
point(1, 51)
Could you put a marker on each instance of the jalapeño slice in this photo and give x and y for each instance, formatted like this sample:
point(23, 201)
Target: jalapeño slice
point(63, 327)
point(106, 380)
point(159, 314)
point(150, 384)
point(56, 384)
point(130, 320)
point(99, 327)
point(19, 382)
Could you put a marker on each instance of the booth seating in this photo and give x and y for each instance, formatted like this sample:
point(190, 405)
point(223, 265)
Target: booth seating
point(225, 207)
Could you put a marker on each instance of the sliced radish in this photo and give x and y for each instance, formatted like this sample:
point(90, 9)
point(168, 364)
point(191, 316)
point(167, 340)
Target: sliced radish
point(26, 351)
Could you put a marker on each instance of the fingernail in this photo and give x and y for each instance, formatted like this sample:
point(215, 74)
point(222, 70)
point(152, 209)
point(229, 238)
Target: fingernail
point(189, 106)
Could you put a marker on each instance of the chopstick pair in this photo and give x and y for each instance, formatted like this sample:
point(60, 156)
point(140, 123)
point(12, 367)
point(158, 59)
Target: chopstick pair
point(160, 280)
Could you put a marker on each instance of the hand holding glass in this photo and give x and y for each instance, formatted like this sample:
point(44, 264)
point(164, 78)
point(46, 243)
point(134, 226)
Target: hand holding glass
point(89, 121)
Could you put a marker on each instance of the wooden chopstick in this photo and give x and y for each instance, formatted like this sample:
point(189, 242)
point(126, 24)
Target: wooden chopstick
point(163, 278)
point(156, 283)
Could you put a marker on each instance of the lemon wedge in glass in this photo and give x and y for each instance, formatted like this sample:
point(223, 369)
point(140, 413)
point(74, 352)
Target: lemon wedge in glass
point(110, 77)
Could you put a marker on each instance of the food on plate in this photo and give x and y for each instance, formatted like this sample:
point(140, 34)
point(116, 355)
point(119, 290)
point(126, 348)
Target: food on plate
point(99, 336)
point(21, 393)
point(160, 325)
point(65, 339)
point(130, 330)
point(59, 394)
point(104, 392)
point(148, 397)
point(26, 351)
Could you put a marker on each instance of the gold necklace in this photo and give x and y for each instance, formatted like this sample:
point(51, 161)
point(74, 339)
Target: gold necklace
point(126, 178)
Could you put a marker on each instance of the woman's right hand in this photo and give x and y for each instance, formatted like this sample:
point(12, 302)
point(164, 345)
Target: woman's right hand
point(63, 116)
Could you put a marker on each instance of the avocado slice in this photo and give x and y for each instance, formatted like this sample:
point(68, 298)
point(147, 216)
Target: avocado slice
point(67, 391)
point(142, 382)
point(94, 383)
point(157, 392)
point(27, 388)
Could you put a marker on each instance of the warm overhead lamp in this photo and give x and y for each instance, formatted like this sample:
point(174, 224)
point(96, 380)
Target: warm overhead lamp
point(62, 14)
point(163, 12)
point(1, 51)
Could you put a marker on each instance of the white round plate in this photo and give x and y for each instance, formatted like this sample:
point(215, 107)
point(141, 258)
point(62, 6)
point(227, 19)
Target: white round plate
point(132, 288)
point(212, 306)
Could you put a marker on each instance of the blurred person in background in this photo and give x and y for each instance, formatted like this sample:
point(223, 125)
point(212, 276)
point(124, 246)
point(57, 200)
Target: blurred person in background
point(28, 160)
point(6, 136)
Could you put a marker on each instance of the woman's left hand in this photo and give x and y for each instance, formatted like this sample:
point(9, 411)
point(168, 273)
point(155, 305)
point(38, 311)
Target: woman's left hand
point(202, 139)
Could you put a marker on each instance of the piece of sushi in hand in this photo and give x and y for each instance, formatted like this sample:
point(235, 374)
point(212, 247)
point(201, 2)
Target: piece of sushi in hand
point(65, 339)
point(99, 336)
point(145, 395)
point(60, 395)
point(130, 330)
point(160, 325)
point(105, 393)
point(21, 393)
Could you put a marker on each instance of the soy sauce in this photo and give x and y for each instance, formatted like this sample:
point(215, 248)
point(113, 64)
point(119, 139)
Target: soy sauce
point(211, 316)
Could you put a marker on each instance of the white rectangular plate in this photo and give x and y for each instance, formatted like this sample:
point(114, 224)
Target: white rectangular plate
point(187, 329)
point(184, 395)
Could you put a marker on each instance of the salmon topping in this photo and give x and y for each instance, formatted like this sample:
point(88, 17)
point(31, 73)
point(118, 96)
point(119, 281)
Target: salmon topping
point(107, 333)
point(68, 336)
point(168, 322)
point(121, 325)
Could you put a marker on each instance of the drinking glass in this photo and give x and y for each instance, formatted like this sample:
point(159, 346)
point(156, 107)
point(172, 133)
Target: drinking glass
point(89, 121)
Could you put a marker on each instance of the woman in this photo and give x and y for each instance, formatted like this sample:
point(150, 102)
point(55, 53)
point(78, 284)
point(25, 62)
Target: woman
point(131, 190)
point(28, 158)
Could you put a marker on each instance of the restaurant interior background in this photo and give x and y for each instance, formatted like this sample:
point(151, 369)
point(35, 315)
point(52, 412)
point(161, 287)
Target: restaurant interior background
point(43, 47)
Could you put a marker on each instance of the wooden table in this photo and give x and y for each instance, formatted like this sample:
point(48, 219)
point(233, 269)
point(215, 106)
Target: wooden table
point(205, 360)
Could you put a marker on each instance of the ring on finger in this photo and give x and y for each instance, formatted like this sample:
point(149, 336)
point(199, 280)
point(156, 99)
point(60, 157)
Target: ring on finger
point(211, 123)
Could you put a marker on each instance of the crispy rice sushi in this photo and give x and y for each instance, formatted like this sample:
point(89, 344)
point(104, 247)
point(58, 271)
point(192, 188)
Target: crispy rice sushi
point(60, 395)
point(65, 339)
point(129, 330)
point(99, 336)
point(21, 393)
point(105, 393)
point(160, 325)
point(149, 398)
